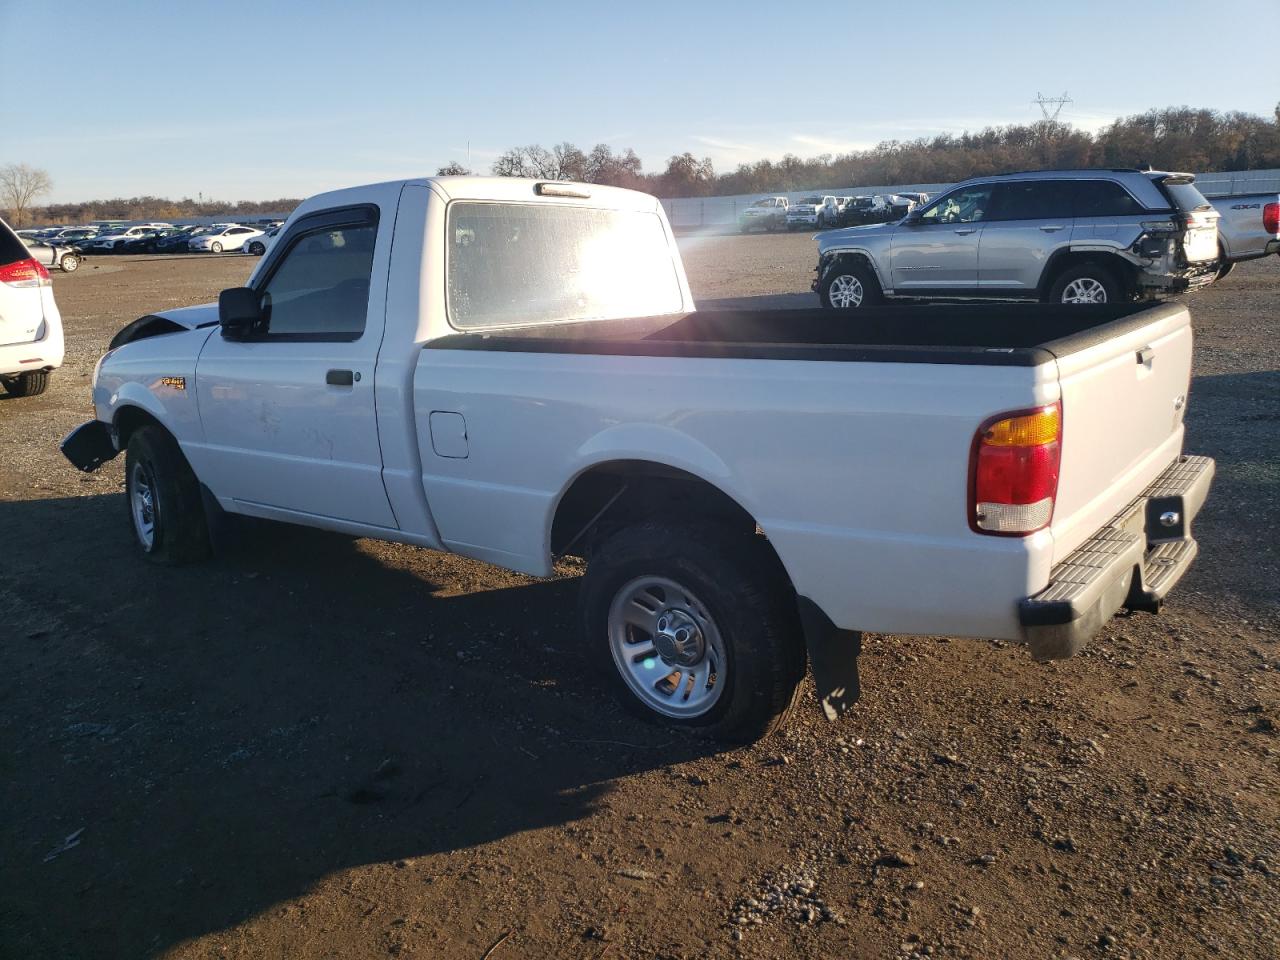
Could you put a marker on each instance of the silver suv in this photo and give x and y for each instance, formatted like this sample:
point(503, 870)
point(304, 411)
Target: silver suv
point(1059, 236)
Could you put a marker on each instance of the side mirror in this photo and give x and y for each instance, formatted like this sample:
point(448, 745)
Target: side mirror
point(239, 312)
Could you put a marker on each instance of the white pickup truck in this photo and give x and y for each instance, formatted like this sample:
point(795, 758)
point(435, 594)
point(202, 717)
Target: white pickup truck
point(513, 370)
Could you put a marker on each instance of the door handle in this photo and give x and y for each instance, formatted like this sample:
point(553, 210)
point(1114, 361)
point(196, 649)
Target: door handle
point(964, 232)
point(340, 378)
point(1145, 356)
point(1051, 229)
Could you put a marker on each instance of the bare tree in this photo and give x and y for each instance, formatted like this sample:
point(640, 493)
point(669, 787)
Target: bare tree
point(453, 169)
point(20, 184)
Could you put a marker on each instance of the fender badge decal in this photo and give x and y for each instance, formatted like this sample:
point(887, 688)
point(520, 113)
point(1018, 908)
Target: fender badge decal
point(178, 383)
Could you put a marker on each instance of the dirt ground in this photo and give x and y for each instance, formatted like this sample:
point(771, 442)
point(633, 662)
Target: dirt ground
point(322, 747)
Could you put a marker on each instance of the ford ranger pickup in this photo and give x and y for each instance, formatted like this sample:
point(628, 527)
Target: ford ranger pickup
point(513, 370)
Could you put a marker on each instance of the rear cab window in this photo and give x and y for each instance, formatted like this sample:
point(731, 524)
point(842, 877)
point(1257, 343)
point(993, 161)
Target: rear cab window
point(528, 263)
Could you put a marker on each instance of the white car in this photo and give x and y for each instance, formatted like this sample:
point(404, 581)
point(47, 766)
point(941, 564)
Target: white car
point(513, 370)
point(54, 254)
point(30, 326)
point(257, 246)
point(227, 238)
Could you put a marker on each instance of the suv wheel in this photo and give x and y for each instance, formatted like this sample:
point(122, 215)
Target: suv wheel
point(30, 384)
point(848, 287)
point(695, 627)
point(1088, 284)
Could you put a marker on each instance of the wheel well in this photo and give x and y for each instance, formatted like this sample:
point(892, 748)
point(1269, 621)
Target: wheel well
point(630, 491)
point(1120, 268)
point(129, 420)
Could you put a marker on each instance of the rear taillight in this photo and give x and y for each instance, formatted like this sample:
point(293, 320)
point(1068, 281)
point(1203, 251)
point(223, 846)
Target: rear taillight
point(24, 273)
point(1271, 218)
point(1014, 471)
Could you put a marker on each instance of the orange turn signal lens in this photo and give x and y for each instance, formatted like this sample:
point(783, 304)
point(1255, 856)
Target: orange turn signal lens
point(1030, 430)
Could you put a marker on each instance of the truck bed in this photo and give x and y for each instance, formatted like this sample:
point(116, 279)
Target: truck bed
point(996, 334)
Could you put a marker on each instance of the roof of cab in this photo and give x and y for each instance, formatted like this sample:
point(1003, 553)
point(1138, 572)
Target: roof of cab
point(510, 189)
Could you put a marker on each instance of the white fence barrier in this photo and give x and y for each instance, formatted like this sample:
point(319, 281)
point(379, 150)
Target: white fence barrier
point(693, 212)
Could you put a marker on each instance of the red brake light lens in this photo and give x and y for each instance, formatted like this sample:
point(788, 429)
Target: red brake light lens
point(24, 273)
point(1271, 218)
point(1014, 473)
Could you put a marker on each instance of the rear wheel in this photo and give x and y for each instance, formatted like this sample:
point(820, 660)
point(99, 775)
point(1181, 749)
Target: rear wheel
point(257, 249)
point(69, 263)
point(27, 384)
point(849, 286)
point(165, 509)
point(696, 628)
point(1087, 284)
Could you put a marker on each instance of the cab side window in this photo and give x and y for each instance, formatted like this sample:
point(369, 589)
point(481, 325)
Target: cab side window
point(319, 289)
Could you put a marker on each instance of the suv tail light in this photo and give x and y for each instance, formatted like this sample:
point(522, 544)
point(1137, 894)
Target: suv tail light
point(1013, 478)
point(24, 273)
point(1271, 218)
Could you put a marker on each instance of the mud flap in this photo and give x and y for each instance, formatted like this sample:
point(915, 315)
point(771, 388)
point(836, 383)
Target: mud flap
point(833, 657)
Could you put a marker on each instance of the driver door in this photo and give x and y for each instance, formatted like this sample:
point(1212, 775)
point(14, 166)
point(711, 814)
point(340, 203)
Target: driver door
point(288, 413)
point(938, 251)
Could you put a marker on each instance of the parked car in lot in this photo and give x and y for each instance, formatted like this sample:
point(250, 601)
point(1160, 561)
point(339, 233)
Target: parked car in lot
point(144, 242)
point(64, 257)
point(862, 209)
point(1064, 236)
point(227, 238)
point(257, 246)
point(512, 370)
point(769, 213)
point(808, 212)
point(73, 235)
point(31, 346)
point(1249, 228)
point(113, 241)
point(177, 241)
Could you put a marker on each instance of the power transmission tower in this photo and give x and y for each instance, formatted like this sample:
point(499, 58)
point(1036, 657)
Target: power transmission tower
point(1057, 103)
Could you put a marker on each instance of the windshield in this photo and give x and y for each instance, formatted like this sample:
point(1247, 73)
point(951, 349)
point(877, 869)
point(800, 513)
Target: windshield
point(861, 201)
point(816, 201)
point(514, 263)
point(768, 202)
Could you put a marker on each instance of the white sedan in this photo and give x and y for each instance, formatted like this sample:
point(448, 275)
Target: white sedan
point(231, 237)
point(62, 256)
point(257, 246)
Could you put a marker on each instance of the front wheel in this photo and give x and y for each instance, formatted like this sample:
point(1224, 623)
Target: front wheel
point(1085, 285)
point(695, 628)
point(166, 513)
point(215, 247)
point(69, 263)
point(849, 287)
point(257, 249)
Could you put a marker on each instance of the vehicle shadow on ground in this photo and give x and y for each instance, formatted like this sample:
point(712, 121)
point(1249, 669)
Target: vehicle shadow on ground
point(228, 735)
point(770, 301)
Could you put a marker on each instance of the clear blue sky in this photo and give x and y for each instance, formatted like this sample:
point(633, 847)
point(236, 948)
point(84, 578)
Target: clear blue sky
point(259, 100)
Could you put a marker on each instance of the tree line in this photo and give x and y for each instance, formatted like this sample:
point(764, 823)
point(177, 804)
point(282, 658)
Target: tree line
point(1173, 138)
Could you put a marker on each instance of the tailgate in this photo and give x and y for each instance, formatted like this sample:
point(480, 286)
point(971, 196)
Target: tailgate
point(1200, 242)
point(1123, 400)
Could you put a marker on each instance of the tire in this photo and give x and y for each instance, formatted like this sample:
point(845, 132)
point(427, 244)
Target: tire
point(724, 588)
point(69, 263)
point(1223, 271)
point(1087, 284)
point(215, 247)
point(27, 384)
point(850, 286)
point(257, 249)
point(161, 490)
